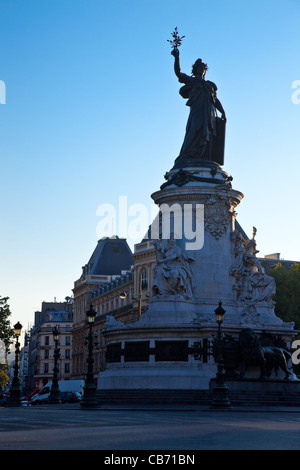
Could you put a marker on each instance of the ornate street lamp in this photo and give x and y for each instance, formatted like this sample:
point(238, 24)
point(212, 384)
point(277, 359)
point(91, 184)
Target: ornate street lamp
point(15, 389)
point(54, 392)
point(89, 390)
point(220, 398)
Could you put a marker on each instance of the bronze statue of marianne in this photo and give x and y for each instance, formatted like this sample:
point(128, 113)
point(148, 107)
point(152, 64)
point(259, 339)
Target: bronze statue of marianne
point(205, 131)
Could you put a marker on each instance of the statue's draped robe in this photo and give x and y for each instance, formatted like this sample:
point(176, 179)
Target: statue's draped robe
point(172, 274)
point(201, 96)
point(259, 286)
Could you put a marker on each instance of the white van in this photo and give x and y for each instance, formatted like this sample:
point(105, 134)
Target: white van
point(75, 386)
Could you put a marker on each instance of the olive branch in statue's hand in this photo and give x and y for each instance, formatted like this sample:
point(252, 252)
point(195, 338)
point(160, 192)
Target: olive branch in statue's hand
point(176, 41)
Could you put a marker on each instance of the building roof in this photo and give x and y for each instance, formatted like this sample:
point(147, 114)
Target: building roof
point(54, 312)
point(110, 257)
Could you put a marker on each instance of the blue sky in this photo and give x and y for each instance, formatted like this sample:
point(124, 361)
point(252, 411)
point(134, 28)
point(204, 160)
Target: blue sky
point(93, 113)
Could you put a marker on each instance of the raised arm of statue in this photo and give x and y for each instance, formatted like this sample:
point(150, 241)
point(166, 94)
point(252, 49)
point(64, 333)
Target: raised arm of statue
point(175, 53)
point(182, 77)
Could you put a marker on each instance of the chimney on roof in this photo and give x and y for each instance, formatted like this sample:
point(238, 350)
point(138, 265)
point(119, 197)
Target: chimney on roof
point(273, 256)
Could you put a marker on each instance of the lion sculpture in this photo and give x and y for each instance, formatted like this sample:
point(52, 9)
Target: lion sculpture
point(266, 358)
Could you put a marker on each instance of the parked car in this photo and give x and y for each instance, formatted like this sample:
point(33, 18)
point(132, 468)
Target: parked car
point(69, 397)
point(25, 402)
point(65, 386)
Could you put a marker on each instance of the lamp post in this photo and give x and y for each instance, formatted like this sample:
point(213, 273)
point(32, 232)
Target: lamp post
point(89, 390)
point(54, 392)
point(15, 389)
point(220, 398)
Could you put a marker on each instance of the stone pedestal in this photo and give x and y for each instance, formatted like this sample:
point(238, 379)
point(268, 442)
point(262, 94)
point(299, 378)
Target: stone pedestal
point(170, 346)
point(254, 392)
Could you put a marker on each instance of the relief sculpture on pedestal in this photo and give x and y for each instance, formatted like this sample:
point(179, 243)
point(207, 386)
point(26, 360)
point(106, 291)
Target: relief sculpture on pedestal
point(172, 273)
point(252, 284)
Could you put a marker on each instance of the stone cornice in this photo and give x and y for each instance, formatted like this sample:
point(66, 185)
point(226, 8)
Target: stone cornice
point(196, 194)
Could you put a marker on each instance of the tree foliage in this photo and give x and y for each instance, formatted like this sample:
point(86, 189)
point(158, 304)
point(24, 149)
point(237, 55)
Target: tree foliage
point(4, 379)
point(6, 332)
point(287, 296)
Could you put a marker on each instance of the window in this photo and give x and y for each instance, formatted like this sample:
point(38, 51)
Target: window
point(67, 354)
point(46, 353)
point(46, 368)
point(46, 340)
point(67, 367)
point(144, 279)
point(68, 340)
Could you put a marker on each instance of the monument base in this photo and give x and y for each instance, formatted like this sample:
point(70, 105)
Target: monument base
point(144, 355)
point(170, 347)
point(254, 392)
point(158, 397)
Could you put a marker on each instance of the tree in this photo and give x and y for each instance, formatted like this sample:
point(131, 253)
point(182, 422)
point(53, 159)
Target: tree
point(4, 379)
point(6, 332)
point(287, 296)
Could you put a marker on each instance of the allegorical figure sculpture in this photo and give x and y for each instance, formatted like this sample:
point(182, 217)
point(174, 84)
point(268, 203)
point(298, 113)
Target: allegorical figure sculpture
point(253, 284)
point(172, 273)
point(202, 126)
